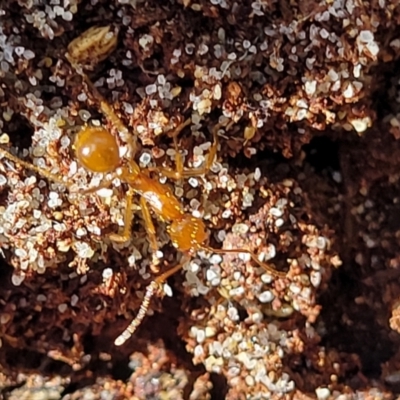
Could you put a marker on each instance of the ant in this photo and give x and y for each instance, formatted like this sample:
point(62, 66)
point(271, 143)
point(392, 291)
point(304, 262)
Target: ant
point(97, 150)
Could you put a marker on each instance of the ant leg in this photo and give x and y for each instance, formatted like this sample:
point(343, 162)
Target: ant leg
point(40, 171)
point(209, 160)
point(103, 185)
point(268, 269)
point(52, 177)
point(88, 49)
point(105, 107)
point(110, 114)
point(148, 222)
point(150, 290)
point(126, 233)
point(179, 171)
point(178, 156)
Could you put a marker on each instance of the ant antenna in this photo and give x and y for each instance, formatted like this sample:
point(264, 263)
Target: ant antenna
point(150, 290)
point(130, 330)
point(40, 171)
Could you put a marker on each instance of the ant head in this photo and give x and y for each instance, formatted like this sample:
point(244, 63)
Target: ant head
point(97, 149)
point(187, 233)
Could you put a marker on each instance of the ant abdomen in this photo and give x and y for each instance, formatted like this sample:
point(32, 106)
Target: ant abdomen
point(96, 149)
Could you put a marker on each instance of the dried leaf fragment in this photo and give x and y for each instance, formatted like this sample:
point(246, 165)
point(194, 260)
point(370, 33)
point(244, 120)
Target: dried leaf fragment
point(92, 46)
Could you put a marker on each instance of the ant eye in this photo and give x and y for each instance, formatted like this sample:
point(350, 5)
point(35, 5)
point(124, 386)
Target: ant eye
point(97, 150)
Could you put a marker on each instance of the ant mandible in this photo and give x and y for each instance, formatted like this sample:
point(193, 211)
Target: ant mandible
point(97, 150)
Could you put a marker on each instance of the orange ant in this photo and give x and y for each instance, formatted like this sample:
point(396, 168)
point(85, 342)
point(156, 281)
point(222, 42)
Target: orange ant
point(97, 150)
